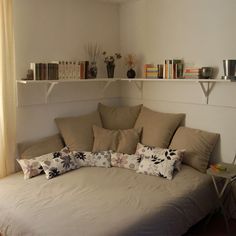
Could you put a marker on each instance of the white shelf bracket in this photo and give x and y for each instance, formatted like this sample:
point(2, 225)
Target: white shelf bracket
point(106, 86)
point(49, 89)
point(140, 87)
point(207, 89)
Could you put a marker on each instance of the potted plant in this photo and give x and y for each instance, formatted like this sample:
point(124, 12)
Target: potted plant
point(110, 63)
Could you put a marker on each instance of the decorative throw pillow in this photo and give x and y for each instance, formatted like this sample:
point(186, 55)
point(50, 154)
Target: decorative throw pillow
point(59, 165)
point(98, 159)
point(148, 151)
point(198, 144)
point(122, 141)
point(32, 167)
point(161, 163)
point(128, 140)
point(158, 127)
point(118, 117)
point(105, 139)
point(125, 161)
point(77, 132)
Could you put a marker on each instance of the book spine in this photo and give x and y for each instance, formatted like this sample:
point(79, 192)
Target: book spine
point(170, 70)
point(32, 67)
point(74, 70)
point(77, 70)
point(37, 71)
point(81, 70)
point(49, 71)
point(55, 71)
point(59, 70)
point(86, 63)
point(66, 68)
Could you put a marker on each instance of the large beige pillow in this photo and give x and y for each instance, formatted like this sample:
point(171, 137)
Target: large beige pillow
point(28, 150)
point(158, 127)
point(198, 145)
point(115, 118)
point(77, 132)
point(121, 141)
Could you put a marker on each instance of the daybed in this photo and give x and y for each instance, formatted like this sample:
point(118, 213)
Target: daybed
point(110, 201)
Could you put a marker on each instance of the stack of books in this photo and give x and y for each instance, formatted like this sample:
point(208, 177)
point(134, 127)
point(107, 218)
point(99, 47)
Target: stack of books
point(173, 69)
point(60, 70)
point(191, 73)
point(44, 71)
point(150, 71)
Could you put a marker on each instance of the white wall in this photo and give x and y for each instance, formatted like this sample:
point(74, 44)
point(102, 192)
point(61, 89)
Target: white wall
point(47, 30)
point(200, 32)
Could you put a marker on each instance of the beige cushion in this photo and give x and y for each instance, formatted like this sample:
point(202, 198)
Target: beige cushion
point(122, 141)
point(77, 132)
point(198, 145)
point(105, 139)
point(28, 150)
point(158, 127)
point(115, 118)
point(128, 140)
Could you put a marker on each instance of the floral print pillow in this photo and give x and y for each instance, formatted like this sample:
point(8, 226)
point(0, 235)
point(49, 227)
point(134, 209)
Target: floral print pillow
point(149, 151)
point(32, 167)
point(99, 159)
point(125, 160)
point(59, 165)
point(159, 161)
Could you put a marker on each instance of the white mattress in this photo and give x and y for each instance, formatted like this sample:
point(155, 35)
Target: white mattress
point(98, 201)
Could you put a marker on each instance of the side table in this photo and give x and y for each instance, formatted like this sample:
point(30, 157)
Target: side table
point(229, 176)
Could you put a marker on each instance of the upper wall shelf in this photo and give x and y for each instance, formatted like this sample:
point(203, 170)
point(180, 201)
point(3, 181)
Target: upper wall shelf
point(206, 84)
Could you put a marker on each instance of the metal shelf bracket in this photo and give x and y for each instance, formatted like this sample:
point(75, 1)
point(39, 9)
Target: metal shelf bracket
point(207, 89)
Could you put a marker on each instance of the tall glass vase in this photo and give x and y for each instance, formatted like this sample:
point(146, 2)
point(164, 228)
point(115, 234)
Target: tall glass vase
point(93, 70)
point(110, 70)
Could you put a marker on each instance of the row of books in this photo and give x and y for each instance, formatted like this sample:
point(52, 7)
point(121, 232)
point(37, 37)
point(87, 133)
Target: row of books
point(171, 69)
point(61, 70)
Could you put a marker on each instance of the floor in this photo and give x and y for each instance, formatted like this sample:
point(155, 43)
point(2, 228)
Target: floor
point(216, 227)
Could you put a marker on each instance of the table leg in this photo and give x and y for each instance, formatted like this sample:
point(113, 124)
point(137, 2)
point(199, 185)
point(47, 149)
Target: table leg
point(220, 203)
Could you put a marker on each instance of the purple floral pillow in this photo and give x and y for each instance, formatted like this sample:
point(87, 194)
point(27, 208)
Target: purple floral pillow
point(125, 160)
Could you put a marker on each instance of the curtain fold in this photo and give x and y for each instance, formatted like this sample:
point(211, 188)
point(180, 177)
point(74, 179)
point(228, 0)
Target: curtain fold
point(7, 90)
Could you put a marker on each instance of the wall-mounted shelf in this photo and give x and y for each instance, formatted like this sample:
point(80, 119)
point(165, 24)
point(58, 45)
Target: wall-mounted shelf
point(52, 83)
point(206, 84)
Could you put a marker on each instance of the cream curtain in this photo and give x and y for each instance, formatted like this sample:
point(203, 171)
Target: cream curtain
point(7, 90)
